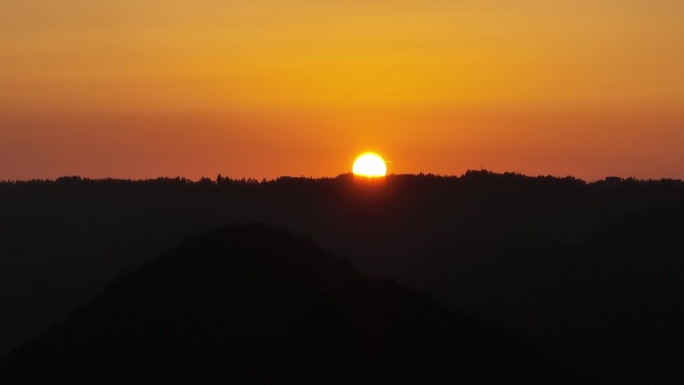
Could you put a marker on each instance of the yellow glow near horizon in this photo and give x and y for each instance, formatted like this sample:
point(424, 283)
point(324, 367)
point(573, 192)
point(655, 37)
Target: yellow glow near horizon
point(369, 165)
point(265, 88)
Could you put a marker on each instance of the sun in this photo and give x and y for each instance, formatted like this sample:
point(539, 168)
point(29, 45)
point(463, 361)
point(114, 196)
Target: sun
point(369, 165)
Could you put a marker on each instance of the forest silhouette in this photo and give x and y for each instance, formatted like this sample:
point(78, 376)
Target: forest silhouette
point(582, 279)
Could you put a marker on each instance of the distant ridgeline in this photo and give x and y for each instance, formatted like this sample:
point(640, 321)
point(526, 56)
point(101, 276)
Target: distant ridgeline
point(589, 272)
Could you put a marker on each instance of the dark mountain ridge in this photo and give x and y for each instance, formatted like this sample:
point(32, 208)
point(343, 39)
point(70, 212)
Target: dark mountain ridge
point(256, 304)
point(589, 271)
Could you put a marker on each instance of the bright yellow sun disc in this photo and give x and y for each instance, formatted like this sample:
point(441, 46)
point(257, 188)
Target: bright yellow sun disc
point(369, 165)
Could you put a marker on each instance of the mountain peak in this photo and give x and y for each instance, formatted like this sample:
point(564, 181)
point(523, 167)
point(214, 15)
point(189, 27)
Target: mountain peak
point(258, 304)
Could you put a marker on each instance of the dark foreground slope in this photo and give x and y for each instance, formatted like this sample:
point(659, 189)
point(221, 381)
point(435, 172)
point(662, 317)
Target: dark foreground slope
point(257, 304)
point(590, 272)
point(609, 305)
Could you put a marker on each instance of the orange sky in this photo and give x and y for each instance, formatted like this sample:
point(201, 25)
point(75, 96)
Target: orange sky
point(146, 88)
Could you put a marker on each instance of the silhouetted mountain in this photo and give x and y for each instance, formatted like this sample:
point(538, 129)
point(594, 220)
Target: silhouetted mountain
point(588, 271)
point(256, 304)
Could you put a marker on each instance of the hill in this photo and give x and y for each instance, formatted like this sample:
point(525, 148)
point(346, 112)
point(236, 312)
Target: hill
point(256, 304)
point(590, 272)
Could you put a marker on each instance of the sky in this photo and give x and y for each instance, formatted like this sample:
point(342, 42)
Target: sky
point(266, 88)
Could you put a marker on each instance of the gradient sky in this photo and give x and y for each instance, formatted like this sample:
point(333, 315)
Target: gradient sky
point(147, 88)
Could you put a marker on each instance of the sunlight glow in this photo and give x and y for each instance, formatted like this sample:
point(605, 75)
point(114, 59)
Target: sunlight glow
point(369, 165)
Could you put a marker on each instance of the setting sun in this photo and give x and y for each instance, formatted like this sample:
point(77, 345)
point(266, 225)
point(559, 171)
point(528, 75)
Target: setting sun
point(369, 165)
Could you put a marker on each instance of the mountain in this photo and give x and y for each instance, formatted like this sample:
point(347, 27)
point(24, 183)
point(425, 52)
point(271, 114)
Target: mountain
point(257, 304)
point(590, 272)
